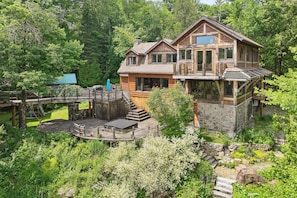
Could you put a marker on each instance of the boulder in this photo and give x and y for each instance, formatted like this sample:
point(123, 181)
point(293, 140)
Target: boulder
point(249, 176)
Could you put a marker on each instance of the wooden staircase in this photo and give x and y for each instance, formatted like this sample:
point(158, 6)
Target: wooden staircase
point(223, 188)
point(134, 113)
point(137, 114)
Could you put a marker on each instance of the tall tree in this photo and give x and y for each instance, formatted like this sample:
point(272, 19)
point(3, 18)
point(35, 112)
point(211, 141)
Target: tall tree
point(270, 23)
point(96, 34)
point(34, 50)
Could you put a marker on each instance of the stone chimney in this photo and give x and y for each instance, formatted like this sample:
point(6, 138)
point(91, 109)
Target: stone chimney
point(215, 18)
point(137, 41)
point(229, 25)
point(158, 39)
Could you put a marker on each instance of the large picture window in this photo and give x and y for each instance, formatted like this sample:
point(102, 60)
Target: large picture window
point(202, 40)
point(146, 84)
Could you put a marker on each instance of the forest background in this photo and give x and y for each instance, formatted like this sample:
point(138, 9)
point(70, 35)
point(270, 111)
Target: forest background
point(46, 38)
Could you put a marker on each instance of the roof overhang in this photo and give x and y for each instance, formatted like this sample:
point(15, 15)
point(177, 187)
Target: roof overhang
point(245, 74)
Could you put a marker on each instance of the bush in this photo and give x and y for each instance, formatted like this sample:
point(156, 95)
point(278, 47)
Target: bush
point(256, 136)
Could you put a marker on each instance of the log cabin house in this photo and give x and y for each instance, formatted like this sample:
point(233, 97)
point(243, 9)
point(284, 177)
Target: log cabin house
point(215, 64)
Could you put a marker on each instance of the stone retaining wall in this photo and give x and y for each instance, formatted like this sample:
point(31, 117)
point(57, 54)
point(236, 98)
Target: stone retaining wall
point(218, 151)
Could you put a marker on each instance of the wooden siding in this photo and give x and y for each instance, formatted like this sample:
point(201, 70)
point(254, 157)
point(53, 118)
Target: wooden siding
point(139, 97)
point(199, 30)
point(124, 82)
point(163, 49)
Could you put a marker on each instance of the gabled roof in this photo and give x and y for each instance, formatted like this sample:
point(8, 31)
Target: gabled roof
point(218, 26)
point(166, 41)
point(141, 48)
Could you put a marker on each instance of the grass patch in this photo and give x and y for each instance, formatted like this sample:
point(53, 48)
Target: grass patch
point(61, 113)
point(220, 138)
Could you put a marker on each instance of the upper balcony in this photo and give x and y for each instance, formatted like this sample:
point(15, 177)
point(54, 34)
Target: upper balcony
point(188, 70)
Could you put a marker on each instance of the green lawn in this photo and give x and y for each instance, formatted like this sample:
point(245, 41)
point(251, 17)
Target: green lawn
point(60, 113)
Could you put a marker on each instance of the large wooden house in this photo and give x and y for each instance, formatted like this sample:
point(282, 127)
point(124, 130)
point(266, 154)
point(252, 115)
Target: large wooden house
point(217, 65)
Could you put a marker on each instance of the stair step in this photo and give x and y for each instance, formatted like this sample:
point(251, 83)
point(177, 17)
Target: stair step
point(208, 157)
point(214, 164)
point(221, 194)
point(224, 189)
point(225, 180)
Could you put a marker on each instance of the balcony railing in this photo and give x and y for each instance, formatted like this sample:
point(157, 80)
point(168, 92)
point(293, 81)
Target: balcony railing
point(184, 69)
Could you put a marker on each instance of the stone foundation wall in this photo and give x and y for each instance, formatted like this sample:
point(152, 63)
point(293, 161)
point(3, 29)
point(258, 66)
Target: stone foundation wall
point(243, 114)
point(224, 118)
point(217, 117)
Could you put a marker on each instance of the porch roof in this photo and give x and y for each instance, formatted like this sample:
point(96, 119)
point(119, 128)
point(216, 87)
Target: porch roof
point(245, 74)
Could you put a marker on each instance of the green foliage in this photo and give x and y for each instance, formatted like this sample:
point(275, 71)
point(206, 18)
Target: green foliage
point(175, 111)
point(198, 183)
point(34, 49)
point(129, 170)
point(256, 136)
point(220, 138)
point(230, 165)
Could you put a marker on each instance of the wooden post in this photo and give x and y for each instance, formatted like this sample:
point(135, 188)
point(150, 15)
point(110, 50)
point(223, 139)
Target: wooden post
point(13, 121)
point(196, 119)
point(133, 132)
point(261, 103)
point(90, 109)
point(113, 133)
point(20, 115)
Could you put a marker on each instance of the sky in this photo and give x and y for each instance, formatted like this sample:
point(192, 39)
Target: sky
point(209, 2)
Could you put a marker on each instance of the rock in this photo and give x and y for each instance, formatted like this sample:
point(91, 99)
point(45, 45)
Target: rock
point(68, 192)
point(249, 176)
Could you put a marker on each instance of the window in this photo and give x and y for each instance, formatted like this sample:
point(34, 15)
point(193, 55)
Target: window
point(241, 57)
point(202, 40)
point(157, 58)
point(255, 56)
point(132, 60)
point(170, 58)
point(146, 84)
point(225, 53)
point(248, 54)
point(229, 52)
point(185, 54)
point(221, 53)
point(228, 88)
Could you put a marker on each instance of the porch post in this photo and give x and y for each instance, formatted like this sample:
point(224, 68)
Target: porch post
point(196, 119)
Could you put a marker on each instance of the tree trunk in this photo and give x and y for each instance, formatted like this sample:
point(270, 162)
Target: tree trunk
point(23, 109)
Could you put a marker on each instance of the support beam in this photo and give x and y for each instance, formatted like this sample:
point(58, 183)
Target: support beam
point(196, 118)
point(13, 120)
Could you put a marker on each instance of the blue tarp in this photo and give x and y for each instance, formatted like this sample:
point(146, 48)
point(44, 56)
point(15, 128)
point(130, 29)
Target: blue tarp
point(66, 80)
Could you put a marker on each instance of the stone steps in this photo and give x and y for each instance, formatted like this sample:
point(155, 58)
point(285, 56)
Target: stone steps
point(208, 158)
point(223, 188)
